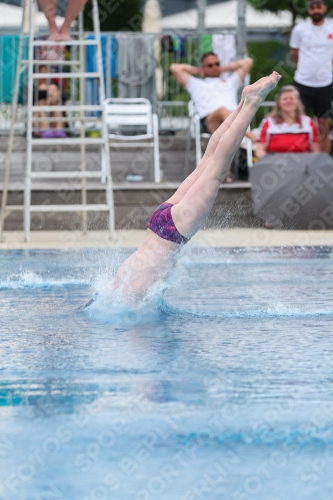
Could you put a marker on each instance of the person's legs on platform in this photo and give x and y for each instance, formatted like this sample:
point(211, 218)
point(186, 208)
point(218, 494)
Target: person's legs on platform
point(73, 10)
point(49, 7)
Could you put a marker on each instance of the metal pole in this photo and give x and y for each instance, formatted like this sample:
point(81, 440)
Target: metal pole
point(201, 5)
point(241, 29)
point(27, 189)
point(26, 7)
point(106, 166)
point(84, 214)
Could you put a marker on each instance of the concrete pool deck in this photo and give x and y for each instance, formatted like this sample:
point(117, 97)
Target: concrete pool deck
point(233, 237)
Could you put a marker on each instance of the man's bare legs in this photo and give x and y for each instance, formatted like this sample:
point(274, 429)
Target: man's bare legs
point(49, 7)
point(214, 120)
point(191, 212)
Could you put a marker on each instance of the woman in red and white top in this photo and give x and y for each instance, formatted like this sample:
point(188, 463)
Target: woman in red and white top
point(287, 129)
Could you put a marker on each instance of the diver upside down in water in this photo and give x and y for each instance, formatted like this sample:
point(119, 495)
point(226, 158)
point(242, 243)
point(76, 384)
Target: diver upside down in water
point(174, 222)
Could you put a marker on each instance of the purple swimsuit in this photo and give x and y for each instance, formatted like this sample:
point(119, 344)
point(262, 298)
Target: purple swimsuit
point(162, 224)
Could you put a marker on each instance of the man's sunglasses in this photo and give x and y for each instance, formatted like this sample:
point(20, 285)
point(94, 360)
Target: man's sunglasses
point(210, 65)
point(315, 5)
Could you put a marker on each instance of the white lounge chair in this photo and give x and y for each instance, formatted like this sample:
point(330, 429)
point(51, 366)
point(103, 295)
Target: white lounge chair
point(125, 116)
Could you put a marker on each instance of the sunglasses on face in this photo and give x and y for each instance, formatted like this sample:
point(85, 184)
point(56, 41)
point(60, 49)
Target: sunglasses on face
point(210, 65)
point(315, 5)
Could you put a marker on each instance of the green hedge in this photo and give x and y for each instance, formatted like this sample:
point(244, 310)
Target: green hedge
point(270, 56)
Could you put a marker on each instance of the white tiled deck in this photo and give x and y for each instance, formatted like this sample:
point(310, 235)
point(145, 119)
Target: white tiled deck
point(133, 238)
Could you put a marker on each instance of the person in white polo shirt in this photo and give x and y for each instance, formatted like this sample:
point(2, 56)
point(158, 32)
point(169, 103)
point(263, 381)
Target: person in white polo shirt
point(215, 95)
point(311, 48)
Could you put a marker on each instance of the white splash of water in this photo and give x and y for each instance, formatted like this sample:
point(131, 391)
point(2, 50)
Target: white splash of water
point(30, 280)
point(117, 308)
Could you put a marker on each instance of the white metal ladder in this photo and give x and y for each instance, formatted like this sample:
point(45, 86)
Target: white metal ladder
point(105, 172)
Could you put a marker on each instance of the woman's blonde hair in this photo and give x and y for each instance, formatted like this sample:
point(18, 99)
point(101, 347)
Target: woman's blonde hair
point(276, 113)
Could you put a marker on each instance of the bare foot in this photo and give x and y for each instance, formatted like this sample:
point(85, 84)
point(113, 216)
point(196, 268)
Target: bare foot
point(64, 34)
point(55, 36)
point(261, 88)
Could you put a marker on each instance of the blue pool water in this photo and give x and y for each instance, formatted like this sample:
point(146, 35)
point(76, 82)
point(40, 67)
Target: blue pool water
point(219, 388)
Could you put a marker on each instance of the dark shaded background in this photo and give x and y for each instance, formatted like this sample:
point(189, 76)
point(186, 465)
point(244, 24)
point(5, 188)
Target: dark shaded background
point(173, 6)
point(168, 6)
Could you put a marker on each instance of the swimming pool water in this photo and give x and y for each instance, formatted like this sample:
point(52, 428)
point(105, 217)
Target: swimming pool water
point(222, 389)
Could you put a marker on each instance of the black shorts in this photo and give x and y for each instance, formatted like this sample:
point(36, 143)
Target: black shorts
point(39, 95)
point(317, 98)
point(203, 125)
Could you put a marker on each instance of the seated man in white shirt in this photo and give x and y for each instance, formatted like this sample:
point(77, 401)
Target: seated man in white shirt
point(311, 49)
point(215, 96)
